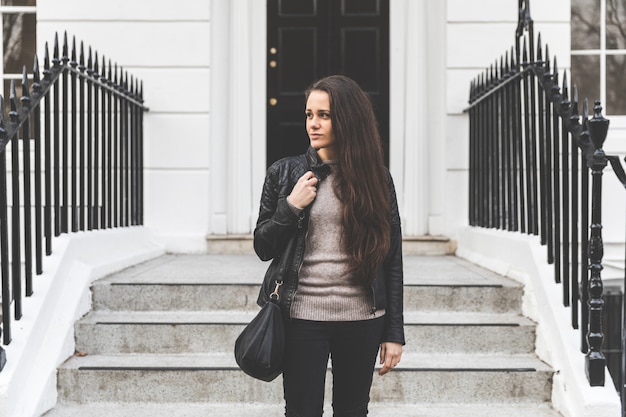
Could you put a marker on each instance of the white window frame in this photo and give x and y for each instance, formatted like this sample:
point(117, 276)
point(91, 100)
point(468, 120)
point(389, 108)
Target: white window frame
point(12, 10)
point(617, 120)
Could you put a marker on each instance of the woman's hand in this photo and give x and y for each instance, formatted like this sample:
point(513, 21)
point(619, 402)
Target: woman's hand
point(390, 354)
point(304, 191)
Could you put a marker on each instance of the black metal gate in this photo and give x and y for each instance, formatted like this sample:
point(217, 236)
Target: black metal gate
point(76, 146)
point(536, 167)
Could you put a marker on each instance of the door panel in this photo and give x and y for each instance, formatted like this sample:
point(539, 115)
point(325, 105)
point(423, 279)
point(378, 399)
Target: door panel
point(310, 39)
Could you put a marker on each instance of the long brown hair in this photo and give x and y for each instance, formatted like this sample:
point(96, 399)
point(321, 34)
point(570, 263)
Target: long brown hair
point(361, 179)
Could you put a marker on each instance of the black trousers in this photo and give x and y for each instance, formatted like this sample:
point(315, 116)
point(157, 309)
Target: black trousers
point(352, 347)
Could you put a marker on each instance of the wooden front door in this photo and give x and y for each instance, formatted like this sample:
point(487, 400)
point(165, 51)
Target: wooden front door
point(310, 39)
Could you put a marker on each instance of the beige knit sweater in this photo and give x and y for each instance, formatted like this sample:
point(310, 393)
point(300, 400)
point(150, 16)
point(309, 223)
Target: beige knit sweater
point(326, 292)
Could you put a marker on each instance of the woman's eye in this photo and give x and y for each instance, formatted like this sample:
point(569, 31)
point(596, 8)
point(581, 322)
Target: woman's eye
point(308, 115)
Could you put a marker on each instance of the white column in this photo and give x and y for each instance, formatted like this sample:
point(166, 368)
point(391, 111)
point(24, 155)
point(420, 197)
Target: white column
point(258, 101)
point(219, 119)
point(237, 114)
point(435, 47)
point(417, 110)
point(408, 138)
point(239, 153)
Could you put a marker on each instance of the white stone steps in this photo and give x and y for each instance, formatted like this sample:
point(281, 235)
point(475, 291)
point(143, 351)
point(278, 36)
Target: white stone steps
point(215, 378)
point(163, 295)
point(436, 283)
point(103, 332)
point(225, 360)
point(241, 409)
point(159, 342)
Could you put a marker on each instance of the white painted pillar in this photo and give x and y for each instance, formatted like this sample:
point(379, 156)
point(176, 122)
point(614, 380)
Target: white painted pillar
point(219, 110)
point(435, 47)
point(237, 114)
point(408, 132)
point(239, 120)
point(417, 95)
point(258, 102)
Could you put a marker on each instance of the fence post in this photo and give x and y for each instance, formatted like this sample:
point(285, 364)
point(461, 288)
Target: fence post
point(595, 361)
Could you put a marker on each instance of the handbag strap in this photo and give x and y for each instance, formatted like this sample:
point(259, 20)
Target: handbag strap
point(279, 280)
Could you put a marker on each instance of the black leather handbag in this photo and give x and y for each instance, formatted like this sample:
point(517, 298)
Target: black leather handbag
point(260, 348)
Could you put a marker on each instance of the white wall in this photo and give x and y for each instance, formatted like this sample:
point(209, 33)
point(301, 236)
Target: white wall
point(203, 67)
point(205, 152)
point(167, 45)
point(478, 33)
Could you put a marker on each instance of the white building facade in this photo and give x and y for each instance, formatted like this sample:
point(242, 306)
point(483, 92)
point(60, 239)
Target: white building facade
point(203, 65)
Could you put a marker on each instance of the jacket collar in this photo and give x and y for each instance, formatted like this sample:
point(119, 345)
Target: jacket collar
point(320, 169)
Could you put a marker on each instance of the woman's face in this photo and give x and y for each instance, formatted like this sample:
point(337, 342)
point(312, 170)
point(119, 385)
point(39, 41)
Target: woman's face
point(319, 126)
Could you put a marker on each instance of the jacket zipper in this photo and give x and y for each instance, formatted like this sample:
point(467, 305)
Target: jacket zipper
point(374, 309)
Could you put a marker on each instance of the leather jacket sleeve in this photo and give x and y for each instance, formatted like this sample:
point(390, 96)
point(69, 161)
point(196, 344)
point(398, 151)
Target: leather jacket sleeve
point(276, 222)
point(393, 277)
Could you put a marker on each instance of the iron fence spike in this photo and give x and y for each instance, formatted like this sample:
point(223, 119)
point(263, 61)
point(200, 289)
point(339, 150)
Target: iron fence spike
point(513, 60)
point(507, 66)
point(556, 67)
point(25, 100)
point(103, 69)
point(575, 99)
point(46, 57)
point(13, 102)
point(36, 76)
point(81, 58)
point(24, 76)
point(89, 62)
point(96, 69)
point(55, 51)
point(65, 48)
point(73, 61)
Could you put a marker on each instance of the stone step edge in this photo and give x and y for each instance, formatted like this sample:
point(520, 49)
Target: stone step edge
point(412, 245)
point(378, 408)
point(236, 317)
point(457, 362)
point(255, 282)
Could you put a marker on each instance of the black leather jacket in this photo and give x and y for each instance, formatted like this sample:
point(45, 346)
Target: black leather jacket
point(280, 235)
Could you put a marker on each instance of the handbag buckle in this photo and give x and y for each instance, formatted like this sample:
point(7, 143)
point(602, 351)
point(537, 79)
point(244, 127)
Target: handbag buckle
point(275, 293)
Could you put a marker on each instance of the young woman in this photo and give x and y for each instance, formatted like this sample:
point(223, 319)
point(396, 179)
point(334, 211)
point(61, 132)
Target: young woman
point(331, 216)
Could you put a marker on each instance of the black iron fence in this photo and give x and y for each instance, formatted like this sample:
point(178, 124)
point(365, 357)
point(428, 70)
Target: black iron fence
point(536, 166)
point(75, 139)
